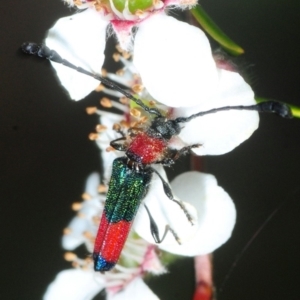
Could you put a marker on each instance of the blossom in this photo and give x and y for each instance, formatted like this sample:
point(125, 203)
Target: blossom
point(211, 209)
point(172, 57)
point(175, 63)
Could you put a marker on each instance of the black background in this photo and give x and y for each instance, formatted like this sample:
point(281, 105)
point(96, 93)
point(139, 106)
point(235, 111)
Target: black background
point(46, 157)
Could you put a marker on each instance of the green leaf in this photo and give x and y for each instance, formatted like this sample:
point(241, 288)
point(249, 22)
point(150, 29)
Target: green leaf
point(295, 109)
point(215, 32)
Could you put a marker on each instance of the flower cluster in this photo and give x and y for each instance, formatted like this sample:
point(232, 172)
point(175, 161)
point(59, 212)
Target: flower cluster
point(211, 207)
point(124, 15)
point(172, 65)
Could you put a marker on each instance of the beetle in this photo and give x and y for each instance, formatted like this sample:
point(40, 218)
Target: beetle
point(132, 173)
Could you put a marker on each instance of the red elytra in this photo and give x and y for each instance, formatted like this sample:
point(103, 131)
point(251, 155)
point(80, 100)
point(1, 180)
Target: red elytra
point(111, 238)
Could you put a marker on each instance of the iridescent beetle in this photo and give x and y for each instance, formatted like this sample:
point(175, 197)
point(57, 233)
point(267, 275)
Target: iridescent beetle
point(132, 173)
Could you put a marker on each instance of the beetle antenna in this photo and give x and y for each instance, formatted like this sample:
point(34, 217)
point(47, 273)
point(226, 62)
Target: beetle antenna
point(43, 51)
point(281, 109)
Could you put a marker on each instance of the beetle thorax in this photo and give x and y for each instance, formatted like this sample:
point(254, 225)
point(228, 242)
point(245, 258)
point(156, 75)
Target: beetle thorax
point(145, 149)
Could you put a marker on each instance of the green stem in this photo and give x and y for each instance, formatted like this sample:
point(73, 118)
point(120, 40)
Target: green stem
point(215, 32)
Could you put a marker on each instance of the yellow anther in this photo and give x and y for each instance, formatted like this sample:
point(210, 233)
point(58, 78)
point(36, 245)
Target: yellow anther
point(105, 102)
point(126, 54)
point(120, 72)
point(102, 188)
point(88, 235)
point(86, 196)
point(116, 127)
point(70, 256)
point(93, 136)
point(67, 231)
point(137, 88)
point(124, 124)
point(124, 100)
point(139, 13)
point(104, 72)
point(76, 206)
point(133, 124)
point(116, 57)
point(136, 113)
point(100, 128)
point(100, 88)
point(109, 149)
point(143, 119)
point(77, 2)
point(91, 110)
point(99, 7)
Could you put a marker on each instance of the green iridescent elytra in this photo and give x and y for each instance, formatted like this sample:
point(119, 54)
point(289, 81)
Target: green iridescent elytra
point(127, 188)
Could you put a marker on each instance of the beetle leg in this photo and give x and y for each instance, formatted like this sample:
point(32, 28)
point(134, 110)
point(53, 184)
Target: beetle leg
point(169, 194)
point(185, 149)
point(118, 146)
point(155, 231)
point(168, 161)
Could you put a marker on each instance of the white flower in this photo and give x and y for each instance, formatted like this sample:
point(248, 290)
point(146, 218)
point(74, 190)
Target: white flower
point(212, 210)
point(123, 15)
point(213, 222)
point(78, 284)
point(217, 133)
point(74, 284)
point(221, 132)
point(174, 62)
point(173, 58)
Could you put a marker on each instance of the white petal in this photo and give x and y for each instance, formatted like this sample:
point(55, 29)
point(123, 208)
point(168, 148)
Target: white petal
point(135, 290)
point(75, 238)
point(79, 38)
point(175, 62)
point(79, 226)
point(216, 213)
point(92, 184)
point(220, 132)
point(122, 31)
point(74, 284)
point(83, 221)
point(165, 212)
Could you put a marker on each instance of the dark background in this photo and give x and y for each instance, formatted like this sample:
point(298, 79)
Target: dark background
point(46, 157)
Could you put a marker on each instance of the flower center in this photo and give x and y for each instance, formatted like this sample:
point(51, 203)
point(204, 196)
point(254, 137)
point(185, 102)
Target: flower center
point(122, 9)
point(133, 5)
